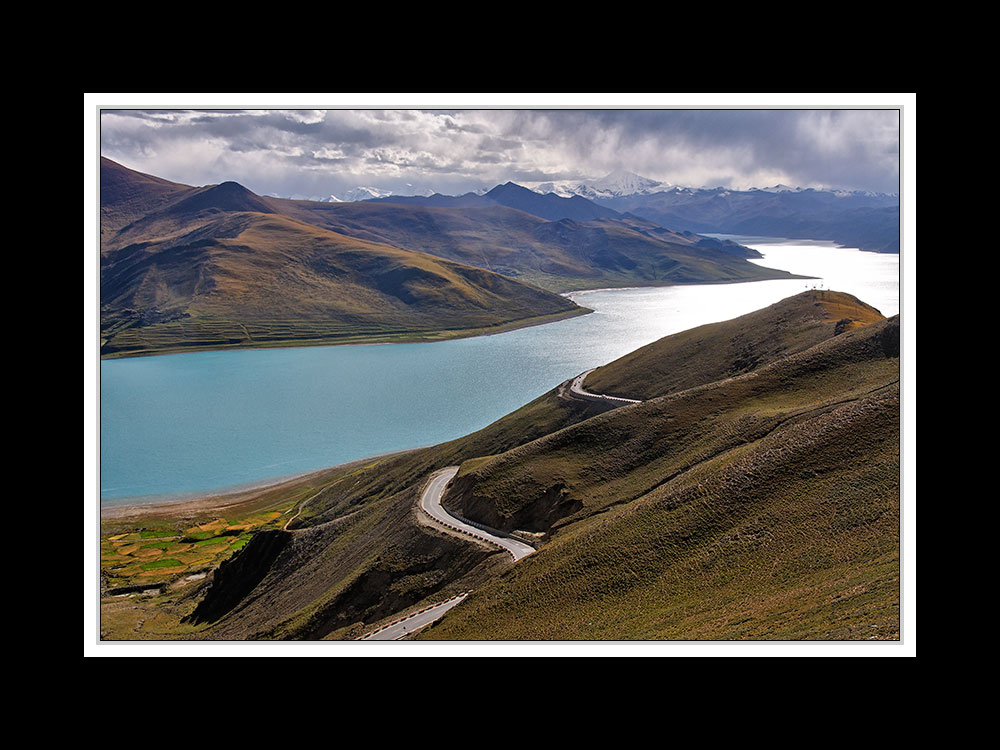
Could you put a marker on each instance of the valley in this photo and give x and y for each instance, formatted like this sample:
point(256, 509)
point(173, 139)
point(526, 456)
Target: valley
point(499, 374)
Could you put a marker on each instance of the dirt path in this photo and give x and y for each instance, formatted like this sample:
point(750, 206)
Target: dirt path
point(301, 506)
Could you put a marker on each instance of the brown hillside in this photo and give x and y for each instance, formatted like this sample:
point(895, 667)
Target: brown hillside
point(624, 453)
point(719, 350)
point(219, 266)
point(558, 255)
point(127, 195)
point(764, 506)
point(758, 506)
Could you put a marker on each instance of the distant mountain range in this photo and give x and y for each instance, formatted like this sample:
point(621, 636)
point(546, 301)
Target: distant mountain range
point(615, 185)
point(864, 219)
point(359, 194)
point(219, 266)
point(869, 221)
point(544, 205)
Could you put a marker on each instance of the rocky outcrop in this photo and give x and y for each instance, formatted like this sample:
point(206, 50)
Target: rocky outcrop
point(552, 502)
point(237, 576)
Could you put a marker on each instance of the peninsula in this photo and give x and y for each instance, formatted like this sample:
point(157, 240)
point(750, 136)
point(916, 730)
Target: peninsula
point(219, 267)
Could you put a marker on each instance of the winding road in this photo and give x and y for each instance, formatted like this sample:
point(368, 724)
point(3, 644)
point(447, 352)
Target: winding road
point(430, 504)
point(577, 389)
point(411, 624)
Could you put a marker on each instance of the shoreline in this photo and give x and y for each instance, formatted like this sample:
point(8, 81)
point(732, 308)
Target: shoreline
point(723, 282)
point(195, 501)
point(444, 335)
point(414, 338)
point(227, 498)
point(201, 501)
point(746, 239)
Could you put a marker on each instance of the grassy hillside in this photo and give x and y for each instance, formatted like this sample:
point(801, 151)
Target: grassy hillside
point(757, 505)
point(794, 536)
point(619, 455)
point(560, 255)
point(235, 572)
point(358, 554)
point(720, 350)
point(219, 267)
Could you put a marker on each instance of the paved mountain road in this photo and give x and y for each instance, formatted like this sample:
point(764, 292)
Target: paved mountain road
point(577, 389)
point(430, 503)
point(413, 623)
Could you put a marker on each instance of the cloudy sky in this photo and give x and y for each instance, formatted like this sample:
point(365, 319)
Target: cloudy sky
point(315, 153)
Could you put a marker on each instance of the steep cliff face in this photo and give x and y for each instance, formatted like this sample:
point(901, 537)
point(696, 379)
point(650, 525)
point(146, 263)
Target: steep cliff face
point(550, 502)
point(237, 577)
point(336, 579)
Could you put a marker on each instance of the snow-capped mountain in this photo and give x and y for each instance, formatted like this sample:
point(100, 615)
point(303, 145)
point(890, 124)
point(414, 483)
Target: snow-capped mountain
point(864, 194)
point(359, 194)
point(833, 191)
point(618, 184)
point(364, 193)
point(779, 188)
point(626, 183)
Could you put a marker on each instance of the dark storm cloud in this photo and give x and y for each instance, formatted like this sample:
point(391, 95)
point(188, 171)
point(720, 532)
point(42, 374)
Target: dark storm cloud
point(836, 148)
point(316, 152)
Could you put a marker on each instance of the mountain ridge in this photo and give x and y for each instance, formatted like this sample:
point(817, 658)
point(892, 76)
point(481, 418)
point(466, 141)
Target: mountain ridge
point(516, 241)
point(221, 267)
point(173, 276)
point(863, 218)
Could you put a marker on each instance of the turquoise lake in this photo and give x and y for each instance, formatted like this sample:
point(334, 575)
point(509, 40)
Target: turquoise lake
point(189, 424)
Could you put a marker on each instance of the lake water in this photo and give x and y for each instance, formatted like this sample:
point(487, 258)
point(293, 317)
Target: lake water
point(186, 424)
